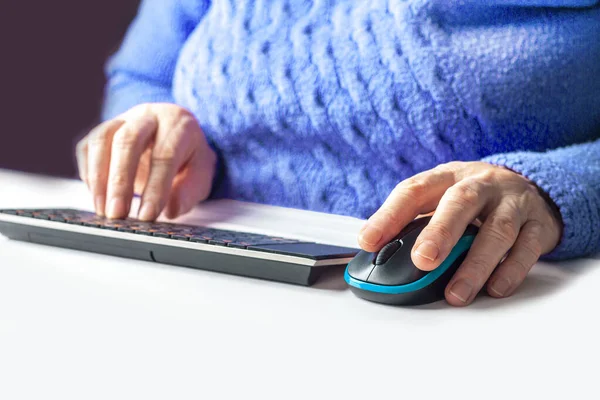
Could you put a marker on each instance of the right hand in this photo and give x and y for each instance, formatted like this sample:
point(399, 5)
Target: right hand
point(155, 150)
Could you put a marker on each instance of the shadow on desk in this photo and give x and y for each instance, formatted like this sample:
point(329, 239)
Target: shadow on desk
point(332, 279)
point(544, 280)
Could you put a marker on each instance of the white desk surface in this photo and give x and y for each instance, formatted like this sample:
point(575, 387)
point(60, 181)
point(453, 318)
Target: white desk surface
point(76, 325)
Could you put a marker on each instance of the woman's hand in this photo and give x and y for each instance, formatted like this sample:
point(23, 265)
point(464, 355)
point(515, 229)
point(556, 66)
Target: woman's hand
point(514, 214)
point(156, 150)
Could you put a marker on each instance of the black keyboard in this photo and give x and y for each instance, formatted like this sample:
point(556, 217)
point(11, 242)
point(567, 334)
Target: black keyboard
point(241, 253)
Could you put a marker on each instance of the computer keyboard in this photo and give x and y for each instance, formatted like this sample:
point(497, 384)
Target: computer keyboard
point(235, 252)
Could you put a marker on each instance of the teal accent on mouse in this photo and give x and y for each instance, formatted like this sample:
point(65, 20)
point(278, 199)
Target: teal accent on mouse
point(390, 277)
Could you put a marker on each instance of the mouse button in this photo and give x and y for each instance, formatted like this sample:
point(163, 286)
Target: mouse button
point(388, 251)
point(361, 265)
point(416, 225)
point(409, 239)
point(399, 272)
point(399, 268)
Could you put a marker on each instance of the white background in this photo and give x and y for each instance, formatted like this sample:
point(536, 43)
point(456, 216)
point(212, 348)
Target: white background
point(76, 325)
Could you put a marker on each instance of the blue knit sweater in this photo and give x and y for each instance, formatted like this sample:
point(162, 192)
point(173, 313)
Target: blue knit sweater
point(327, 104)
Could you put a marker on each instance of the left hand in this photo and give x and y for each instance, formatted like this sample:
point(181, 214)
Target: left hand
point(514, 217)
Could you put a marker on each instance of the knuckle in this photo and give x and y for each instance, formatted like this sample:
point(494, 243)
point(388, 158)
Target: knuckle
point(436, 176)
point(530, 188)
point(465, 196)
point(186, 132)
point(119, 180)
point(476, 267)
point(164, 156)
point(152, 195)
point(438, 231)
point(98, 138)
point(520, 267)
point(488, 176)
point(515, 209)
point(191, 130)
point(177, 116)
point(531, 195)
point(184, 115)
point(532, 246)
point(503, 229)
point(413, 188)
point(125, 138)
point(389, 216)
point(155, 193)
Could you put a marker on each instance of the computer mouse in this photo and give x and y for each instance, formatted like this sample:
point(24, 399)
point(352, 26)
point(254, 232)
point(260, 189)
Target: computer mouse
point(390, 277)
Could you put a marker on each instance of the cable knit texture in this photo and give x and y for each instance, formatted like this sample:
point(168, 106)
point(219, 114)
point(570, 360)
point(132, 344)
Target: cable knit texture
point(327, 105)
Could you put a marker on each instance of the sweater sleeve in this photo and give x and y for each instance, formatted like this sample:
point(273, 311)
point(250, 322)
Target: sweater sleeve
point(570, 176)
point(538, 3)
point(141, 71)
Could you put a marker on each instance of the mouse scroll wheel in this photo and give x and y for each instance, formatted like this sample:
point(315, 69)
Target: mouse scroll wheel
point(387, 251)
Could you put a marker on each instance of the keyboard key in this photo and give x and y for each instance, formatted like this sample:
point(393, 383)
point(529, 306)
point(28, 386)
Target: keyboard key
point(180, 237)
point(196, 234)
point(261, 241)
point(238, 245)
point(182, 230)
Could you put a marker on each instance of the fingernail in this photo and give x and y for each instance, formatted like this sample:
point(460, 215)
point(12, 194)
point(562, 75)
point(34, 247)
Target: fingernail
point(428, 250)
point(462, 290)
point(99, 203)
point(501, 286)
point(116, 208)
point(147, 212)
point(371, 235)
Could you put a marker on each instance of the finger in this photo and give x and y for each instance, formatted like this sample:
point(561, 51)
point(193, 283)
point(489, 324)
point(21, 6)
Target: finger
point(417, 195)
point(174, 147)
point(549, 218)
point(459, 206)
point(514, 269)
point(190, 186)
point(81, 151)
point(128, 144)
point(143, 171)
point(496, 236)
point(98, 161)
